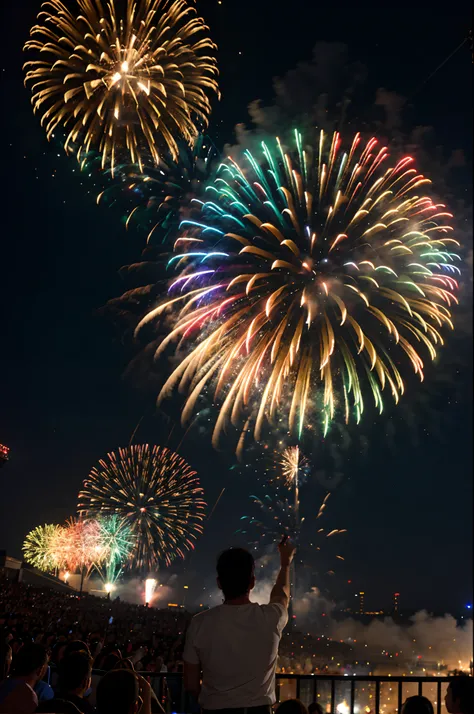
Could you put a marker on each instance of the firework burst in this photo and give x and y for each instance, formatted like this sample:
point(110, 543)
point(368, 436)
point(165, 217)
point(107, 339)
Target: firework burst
point(126, 85)
point(292, 464)
point(156, 493)
point(38, 547)
point(118, 542)
point(79, 545)
point(315, 277)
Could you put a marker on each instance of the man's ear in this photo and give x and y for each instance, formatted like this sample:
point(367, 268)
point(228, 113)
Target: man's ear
point(252, 582)
point(138, 705)
point(218, 583)
point(41, 671)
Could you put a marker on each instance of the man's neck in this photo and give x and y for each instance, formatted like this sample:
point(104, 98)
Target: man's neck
point(28, 679)
point(242, 600)
point(76, 692)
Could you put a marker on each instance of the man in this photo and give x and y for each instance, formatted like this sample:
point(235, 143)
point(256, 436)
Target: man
point(74, 680)
point(235, 645)
point(17, 694)
point(460, 695)
point(122, 691)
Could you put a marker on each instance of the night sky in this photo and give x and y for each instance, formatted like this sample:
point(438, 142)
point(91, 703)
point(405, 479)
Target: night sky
point(63, 400)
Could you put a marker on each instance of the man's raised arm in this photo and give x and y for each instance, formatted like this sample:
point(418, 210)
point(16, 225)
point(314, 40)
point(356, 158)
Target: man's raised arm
point(281, 589)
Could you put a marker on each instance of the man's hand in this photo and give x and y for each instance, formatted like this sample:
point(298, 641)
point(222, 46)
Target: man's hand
point(145, 695)
point(287, 550)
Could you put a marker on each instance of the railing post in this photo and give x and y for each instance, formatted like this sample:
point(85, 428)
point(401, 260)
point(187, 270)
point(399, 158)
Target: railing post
point(438, 698)
point(420, 688)
point(298, 687)
point(333, 696)
point(352, 695)
point(315, 688)
point(400, 697)
point(377, 696)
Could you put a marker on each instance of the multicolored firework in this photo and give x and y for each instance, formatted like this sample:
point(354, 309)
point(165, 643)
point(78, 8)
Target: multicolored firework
point(314, 278)
point(38, 547)
point(156, 493)
point(127, 85)
point(79, 545)
point(157, 193)
point(118, 542)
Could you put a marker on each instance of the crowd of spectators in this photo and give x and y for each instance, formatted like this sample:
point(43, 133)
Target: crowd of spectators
point(153, 638)
point(51, 641)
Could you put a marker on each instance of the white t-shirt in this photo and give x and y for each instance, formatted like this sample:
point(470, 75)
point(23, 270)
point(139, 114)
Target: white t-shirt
point(237, 647)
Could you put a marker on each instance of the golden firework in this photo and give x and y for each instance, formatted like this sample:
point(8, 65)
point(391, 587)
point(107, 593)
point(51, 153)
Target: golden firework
point(125, 85)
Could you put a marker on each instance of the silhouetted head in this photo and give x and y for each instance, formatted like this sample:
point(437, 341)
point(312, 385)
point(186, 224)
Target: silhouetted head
point(460, 695)
point(31, 661)
point(291, 706)
point(315, 708)
point(118, 693)
point(75, 672)
point(235, 573)
point(417, 705)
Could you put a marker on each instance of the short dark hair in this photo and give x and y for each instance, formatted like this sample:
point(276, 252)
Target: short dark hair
point(462, 688)
point(75, 646)
point(417, 705)
point(315, 708)
point(291, 706)
point(117, 692)
point(235, 569)
point(31, 657)
point(73, 670)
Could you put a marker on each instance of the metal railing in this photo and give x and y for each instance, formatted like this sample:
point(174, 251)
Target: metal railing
point(337, 694)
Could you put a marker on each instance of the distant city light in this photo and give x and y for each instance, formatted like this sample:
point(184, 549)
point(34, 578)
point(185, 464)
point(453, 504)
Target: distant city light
point(469, 606)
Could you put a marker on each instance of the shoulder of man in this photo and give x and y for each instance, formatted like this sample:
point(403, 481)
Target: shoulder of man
point(22, 697)
point(275, 613)
point(200, 617)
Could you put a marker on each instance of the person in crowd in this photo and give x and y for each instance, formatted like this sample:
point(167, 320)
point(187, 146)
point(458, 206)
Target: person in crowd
point(417, 705)
point(291, 706)
point(235, 645)
point(74, 681)
point(460, 695)
point(122, 691)
point(315, 708)
point(44, 691)
point(17, 695)
point(5, 660)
